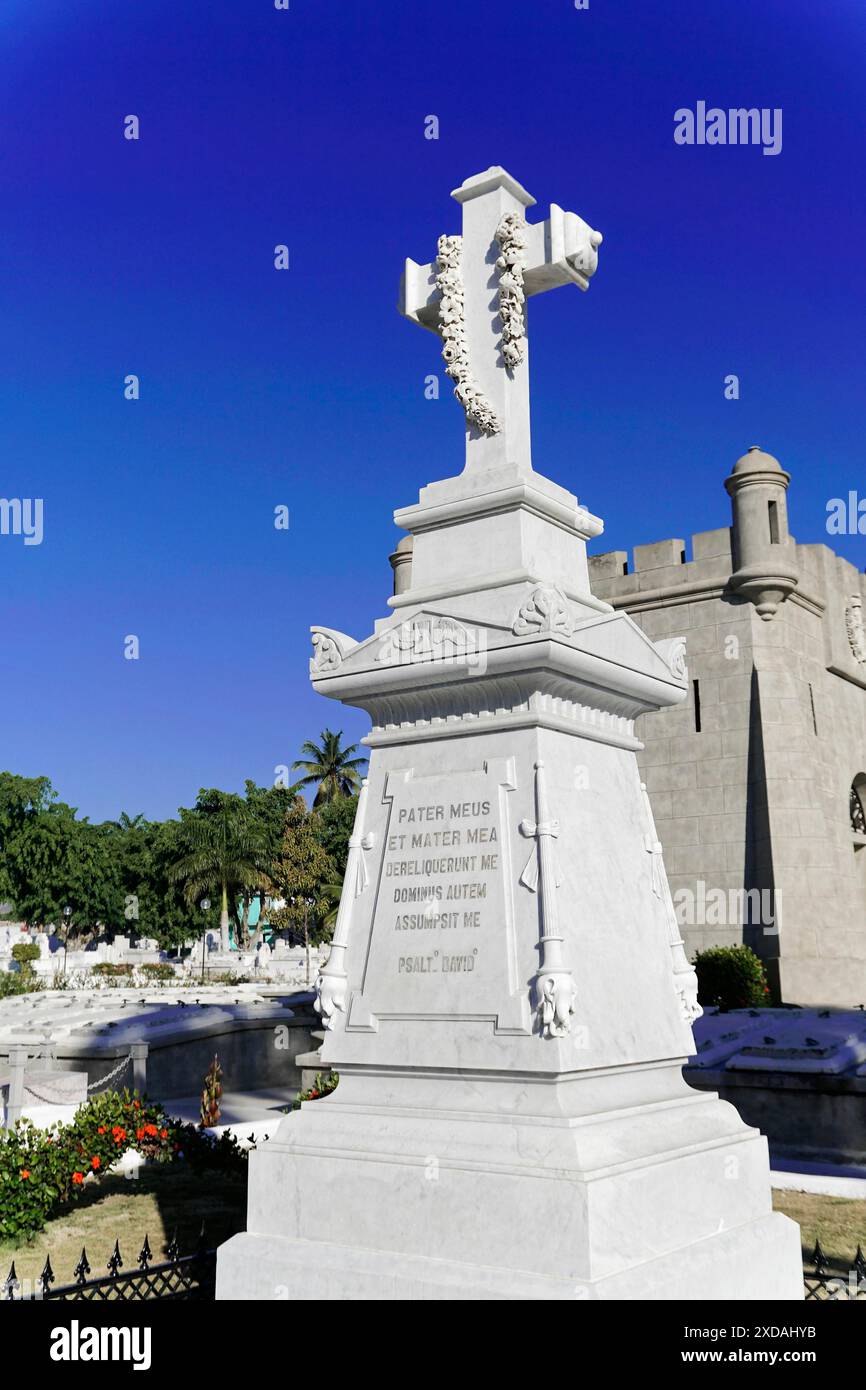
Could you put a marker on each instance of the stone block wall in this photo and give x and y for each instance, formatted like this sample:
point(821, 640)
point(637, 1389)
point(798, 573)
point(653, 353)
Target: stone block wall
point(749, 779)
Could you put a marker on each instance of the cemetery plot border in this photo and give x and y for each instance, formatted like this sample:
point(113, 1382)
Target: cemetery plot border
point(188, 1278)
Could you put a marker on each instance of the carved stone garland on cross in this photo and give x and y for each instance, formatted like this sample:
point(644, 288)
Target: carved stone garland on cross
point(511, 236)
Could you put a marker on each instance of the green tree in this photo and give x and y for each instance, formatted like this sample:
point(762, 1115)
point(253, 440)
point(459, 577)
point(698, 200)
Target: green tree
point(332, 892)
point(23, 801)
point(50, 860)
point(336, 821)
point(329, 767)
point(224, 852)
point(150, 902)
point(299, 876)
point(269, 807)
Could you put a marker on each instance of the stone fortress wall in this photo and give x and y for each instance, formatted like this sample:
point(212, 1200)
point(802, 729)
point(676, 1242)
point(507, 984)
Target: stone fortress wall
point(750, 780)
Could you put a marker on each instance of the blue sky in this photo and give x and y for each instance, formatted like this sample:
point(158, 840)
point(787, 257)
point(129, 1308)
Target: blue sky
point(306, 388)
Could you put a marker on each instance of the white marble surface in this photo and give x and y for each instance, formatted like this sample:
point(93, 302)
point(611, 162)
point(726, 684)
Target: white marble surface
point(511, 1120)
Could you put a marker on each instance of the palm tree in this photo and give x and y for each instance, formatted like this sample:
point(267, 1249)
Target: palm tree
point(331, 894)
point(225, 854)
point(330, 767)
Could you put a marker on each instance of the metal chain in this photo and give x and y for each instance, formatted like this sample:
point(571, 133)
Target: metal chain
point(37, 1095)
point(104, 1080)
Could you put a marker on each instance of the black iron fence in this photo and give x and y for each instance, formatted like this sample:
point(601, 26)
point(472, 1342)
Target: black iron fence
point(193, 1277)
point(189, 1277)
point(823, 1282)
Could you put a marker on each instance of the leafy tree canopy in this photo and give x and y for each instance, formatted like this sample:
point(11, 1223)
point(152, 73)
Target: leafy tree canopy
point(148, 878)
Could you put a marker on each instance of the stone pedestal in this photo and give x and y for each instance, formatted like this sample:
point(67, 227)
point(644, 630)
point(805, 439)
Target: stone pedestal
point(508, 1009)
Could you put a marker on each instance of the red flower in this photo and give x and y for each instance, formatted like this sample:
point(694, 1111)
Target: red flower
point(139, 1134)
point(96, 1161)
point(78, 1178)
point(137, 1104)
point(101, 1129)
point(151, 1130)
point(163, 1134)
point(25, 1172)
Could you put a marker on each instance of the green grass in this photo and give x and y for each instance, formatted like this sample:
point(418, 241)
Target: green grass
point(165, 1198)
point(838, 1222)
point(154, 1204)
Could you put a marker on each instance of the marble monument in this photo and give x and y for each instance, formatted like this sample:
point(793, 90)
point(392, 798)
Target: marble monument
point(507, 999)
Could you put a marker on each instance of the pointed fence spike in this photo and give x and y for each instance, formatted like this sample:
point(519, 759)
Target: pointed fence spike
point(173, 1250)
point(146, 1254)
point(11, 1285)
point(82, 1269)
point(819, 1259)
point(46, 1278)
point(860, 1262)
point(116, 1261)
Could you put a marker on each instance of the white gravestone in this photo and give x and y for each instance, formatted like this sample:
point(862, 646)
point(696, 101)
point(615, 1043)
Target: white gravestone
point(506, 1000)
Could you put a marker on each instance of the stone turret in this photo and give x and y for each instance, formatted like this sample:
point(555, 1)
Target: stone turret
point(401, 564)
point(764, 572)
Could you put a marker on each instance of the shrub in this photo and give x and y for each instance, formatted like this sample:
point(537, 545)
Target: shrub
point(154, 970)
point(33, 1175)
point(25, 952)
point(109, 970)
point(41, 1170)
point(23, 981)
point(203, 1152)
point(322, 1086)
point(731, 977)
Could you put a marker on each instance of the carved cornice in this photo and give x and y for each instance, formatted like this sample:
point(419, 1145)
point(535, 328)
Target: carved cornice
point(496, 674)
point(488, 704)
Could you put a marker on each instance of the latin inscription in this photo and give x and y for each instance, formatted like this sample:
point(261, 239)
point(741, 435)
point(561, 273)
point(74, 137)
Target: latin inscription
point(440, 879)
point(439, 939)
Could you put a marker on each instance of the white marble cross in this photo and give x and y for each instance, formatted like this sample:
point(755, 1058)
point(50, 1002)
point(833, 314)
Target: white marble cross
point(474, 294)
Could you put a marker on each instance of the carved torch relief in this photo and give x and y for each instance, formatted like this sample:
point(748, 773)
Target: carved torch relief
point(554, 987)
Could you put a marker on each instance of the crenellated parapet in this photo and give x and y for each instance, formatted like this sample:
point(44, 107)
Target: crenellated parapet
point(755, 560)
point(661, 573)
